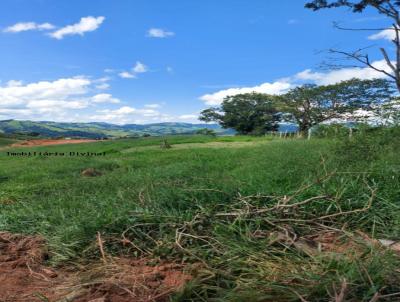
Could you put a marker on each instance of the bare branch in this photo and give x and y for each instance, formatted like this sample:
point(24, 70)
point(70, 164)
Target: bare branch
point(364, 59)
point(337, 26)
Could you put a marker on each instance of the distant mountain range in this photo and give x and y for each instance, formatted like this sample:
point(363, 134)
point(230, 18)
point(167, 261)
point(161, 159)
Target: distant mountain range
point(101, 130)
point(105, 130)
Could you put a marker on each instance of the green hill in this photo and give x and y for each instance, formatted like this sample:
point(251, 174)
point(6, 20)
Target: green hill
point(100, 130)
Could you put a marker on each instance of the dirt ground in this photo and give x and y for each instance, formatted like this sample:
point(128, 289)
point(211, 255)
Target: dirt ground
point(47, 142)
point(25, 278)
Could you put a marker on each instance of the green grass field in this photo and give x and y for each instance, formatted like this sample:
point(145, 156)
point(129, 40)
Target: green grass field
point(222, 202)
point(6, 141)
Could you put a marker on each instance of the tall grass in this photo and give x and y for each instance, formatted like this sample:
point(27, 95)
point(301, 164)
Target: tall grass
point(220, 209)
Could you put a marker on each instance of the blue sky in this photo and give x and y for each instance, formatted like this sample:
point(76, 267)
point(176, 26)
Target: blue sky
point(143, 61)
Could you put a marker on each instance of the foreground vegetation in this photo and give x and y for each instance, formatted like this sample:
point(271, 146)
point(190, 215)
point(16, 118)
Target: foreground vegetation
point(246, 220)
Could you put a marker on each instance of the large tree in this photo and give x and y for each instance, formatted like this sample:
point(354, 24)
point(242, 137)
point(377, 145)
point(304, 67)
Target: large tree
point(310, 105)
point(387, 8)
point(252, 113)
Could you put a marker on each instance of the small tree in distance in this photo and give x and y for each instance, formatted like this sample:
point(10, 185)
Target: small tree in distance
point(206, 131)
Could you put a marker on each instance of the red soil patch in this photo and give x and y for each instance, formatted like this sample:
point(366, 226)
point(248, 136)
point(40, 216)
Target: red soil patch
point(47, 142)
point(23, 277)
point(135, 280)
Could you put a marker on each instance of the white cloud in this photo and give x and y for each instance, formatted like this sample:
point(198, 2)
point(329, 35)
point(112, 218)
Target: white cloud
point(124, 110)
point(127, 75)
point(45, 26)
point(103, 79)
point(335, 76)
point(72, 100)
point(50, 105)
point(216, 98)
point(140, 68)
point(86, 24)
point(189, 117)
point(126, 115)
point(135, 70)
point(62, 89)
point(14, 83)
point(51, 100)
point(103, 86)
point(104, 98)
point(153, 106)
point(387, 34)
point(319, 78)
point(26, 26)
point(159, 33)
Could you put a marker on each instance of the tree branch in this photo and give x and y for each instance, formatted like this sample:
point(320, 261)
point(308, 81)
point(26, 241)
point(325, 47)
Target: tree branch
point(364, 59)
point(336, 25)
point(388, 62)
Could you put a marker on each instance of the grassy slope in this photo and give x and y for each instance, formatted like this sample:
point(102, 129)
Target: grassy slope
point(6, 141)
point(164, 190)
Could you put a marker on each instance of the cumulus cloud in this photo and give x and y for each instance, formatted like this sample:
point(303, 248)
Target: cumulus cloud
point(387, 34)
point(15, 93)
point(125, 114)
point(132, 115)
point(135, 70)
point(308, 76)
point(50, 105)
point(335, 76)
point(104, 98)
point(216, 98)
point(189, 117)
point(86, 24)
point(159, 33)
point(14, 83)
point(153, 106)
point(140, 68)
point(51, 100)
point(26, 26)
point(72, 100)
point(103, 86)
point(127, 75)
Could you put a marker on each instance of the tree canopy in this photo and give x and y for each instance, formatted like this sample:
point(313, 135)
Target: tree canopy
point(306, 105)
point(383, 6)
point(310, 105)
point(252, 113)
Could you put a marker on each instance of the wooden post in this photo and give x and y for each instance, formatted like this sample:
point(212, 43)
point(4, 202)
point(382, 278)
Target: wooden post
point(309, 134)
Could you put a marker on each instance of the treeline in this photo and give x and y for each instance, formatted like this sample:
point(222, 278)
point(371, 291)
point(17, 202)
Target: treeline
point(352, 101)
